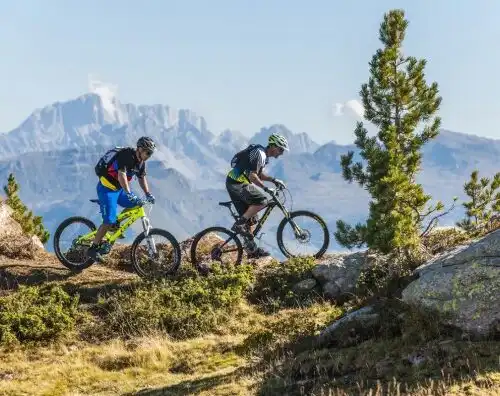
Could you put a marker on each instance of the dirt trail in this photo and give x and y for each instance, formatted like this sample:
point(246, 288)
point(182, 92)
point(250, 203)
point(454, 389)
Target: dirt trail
point(47, 269)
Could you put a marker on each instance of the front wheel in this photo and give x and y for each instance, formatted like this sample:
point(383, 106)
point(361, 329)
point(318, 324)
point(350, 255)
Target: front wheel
point(210, 244)
point(299, 226)
point(75, 258)
point(160, 255)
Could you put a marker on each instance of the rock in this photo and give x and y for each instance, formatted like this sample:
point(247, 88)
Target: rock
point(332, 290)
point(14, 243)
point(305, 285)
point(463, 283)
point(338, 273)
point(416, 358)
point(8, 226)
point(37, 242)
point(351, 328)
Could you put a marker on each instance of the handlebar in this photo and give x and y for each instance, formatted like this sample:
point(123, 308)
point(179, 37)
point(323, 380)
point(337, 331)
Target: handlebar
point(274, 193)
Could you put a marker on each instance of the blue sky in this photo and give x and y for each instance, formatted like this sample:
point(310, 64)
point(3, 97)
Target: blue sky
point(246, 64)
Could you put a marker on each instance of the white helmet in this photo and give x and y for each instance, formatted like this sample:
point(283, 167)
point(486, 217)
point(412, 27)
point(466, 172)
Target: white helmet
point(279, 141)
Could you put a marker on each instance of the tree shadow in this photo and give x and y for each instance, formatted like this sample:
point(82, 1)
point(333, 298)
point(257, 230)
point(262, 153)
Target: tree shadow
point(89, 291)
point(10, 279)
point(381, 366)
point(190, 387)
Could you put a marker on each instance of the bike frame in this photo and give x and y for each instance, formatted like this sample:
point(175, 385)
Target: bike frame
point(269, 208)
point(130, 216)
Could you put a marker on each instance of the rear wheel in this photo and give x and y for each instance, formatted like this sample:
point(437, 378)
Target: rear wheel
point(164, 262)
point(211, 244)
point(306, 222)
point(75, 258)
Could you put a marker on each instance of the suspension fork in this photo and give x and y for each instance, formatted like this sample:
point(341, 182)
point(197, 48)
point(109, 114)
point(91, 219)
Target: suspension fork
point(286, 213)
point(146, 225)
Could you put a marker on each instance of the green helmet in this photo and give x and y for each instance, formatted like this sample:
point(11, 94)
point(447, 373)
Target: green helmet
point(279, 141)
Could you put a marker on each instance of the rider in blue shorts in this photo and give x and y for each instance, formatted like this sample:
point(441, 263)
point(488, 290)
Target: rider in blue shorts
point(113, 186)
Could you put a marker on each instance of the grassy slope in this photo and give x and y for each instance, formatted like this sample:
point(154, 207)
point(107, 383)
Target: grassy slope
point(251, 353)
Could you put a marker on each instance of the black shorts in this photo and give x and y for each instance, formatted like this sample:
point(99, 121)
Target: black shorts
point(243, 195)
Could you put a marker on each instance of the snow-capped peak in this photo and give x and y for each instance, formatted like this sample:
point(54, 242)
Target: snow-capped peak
point(108, 95)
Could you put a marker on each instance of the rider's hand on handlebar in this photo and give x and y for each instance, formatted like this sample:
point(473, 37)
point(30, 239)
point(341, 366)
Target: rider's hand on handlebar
point(279, 183)
point(268, 190)
point(150, 198)
point(134, 199)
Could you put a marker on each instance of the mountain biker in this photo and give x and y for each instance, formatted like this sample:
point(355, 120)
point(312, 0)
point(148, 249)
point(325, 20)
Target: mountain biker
point(113, 188)
point(242, 178)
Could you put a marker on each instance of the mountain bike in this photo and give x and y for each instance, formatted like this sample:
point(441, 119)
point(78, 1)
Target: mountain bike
point(157, 253)
point(202, 252)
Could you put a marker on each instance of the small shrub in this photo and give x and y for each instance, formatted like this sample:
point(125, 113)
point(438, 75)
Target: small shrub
point(274, 284)
point(183, 308)
point(31, 225)
point(34, 313)
point(441, 240)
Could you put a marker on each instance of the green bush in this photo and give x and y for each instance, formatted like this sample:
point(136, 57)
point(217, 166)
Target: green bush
point(34, 313)
point(274, 285)
point(185, 307)
point(30, 224)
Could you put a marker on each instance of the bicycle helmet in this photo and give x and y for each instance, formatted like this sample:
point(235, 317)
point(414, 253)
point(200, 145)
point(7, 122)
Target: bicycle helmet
point(279, 141)
point(146, 143)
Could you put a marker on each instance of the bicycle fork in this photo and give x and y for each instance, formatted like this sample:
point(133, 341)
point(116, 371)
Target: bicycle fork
point(146, 225)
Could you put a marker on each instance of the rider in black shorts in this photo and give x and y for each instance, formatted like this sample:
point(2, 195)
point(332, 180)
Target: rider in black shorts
point(246, 174)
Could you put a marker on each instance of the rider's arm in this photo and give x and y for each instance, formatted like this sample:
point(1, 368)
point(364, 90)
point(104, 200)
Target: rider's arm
point(265, 177)
point(257, 163)
point(141, 177)
point(254, 178)
point(123, 162)
point(122, 179)
point(144, 184)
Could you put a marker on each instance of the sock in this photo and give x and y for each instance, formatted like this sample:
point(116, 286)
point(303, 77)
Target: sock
point(241, 220)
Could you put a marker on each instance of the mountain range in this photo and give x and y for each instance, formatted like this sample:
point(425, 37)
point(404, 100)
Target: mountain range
point(53, 152)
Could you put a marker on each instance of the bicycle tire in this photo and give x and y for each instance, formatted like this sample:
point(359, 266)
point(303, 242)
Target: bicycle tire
point(306, 213)
point(171, 239)
point(202, 233)
point(65, 223)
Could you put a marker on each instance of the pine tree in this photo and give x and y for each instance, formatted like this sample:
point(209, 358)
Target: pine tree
point(484, 202)
point(30, 224)
point(395, 99)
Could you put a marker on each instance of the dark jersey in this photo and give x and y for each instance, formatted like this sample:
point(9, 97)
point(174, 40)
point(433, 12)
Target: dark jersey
point(126, 160)
point(253, 160)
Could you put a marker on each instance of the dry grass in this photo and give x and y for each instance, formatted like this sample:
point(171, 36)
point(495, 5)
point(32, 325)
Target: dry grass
point(118, 367)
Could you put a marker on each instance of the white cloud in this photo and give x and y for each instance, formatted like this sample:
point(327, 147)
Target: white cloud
point(108, 94)
point(352, 108)
point(106, 91)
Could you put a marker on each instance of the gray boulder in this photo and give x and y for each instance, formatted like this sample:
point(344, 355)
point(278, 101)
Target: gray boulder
point(338, 273)
point(464, 284)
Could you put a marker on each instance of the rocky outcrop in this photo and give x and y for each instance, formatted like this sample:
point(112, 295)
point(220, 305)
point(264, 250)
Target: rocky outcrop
point(14, 243)
point(463, 284)
point(351, 328)
point(337, 274)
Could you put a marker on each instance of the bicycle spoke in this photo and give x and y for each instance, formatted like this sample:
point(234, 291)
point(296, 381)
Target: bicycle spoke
point(157, 262)
point(215, 245)
point(305, 234)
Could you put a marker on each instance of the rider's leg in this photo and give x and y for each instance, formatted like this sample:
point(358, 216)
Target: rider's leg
point(108, 200)
point(123, 200)
point(251, 196)
point(248, 201)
